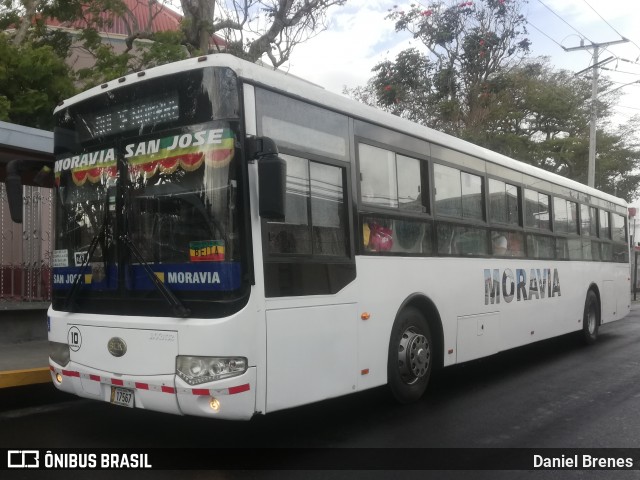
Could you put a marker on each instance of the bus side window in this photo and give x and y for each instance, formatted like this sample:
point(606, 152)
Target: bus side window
point(461, 240)
point(315, 220)
point(503, 202)
point(292, 236)
point(398, 235)
point(458, 193)
point(507, 244)
point(541, 246)
point(328, 210)
point(536, 210)
point(391, 180)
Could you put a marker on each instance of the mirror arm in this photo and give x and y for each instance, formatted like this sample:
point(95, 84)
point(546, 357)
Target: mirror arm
point(258, 147)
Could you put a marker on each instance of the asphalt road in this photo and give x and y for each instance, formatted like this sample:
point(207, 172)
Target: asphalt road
point(553, 394)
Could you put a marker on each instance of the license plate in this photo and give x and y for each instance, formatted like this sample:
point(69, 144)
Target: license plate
point(122, 396)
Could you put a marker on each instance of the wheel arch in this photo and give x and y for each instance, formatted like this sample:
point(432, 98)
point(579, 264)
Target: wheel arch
point(426, 306)
point(594, 288)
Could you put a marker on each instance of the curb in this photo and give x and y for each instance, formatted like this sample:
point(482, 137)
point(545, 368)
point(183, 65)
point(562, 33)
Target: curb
point(30, 376)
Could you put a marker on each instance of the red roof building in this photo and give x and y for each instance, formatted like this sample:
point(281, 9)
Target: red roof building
point(149, 16)
point(146, 15)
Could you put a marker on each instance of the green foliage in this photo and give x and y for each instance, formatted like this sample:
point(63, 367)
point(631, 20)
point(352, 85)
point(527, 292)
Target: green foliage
point(8, 17)
point(541, 116)
point(59, 41)
point(5, 105)
point(475, 83)
point(468, 42)
point(164, 47)
point(253, 29)
point(33, 79)
point(108, 63)
point(401, 86)
point(160, 48)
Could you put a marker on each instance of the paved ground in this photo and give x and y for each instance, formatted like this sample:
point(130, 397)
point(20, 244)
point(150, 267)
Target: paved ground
point(552, 394)
point(24, 349)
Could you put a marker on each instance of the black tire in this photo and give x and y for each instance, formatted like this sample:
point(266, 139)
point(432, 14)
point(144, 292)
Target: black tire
point(411, 356)
point(591, 318)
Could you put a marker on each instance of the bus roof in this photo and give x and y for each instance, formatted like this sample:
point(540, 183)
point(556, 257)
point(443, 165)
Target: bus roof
point(297, 87)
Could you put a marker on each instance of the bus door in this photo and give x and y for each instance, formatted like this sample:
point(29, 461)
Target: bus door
point(311, 314)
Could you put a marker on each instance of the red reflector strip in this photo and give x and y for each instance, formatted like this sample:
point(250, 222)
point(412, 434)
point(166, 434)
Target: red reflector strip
point(154, 388)
point(239, 389)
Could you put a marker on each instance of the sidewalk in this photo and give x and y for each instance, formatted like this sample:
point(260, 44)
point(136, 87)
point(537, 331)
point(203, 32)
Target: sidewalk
point(24, 364)
point(24, 348)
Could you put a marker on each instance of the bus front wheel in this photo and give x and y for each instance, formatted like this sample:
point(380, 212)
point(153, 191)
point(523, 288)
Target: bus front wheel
point(591, 318)
point(410, 356)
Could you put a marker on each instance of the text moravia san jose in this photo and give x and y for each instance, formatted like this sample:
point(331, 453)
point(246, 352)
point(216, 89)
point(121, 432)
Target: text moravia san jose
point(151, 150)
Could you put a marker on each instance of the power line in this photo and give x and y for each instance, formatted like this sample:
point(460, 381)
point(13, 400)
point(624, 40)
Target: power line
point(619, 83)
point(594, 94)
point(543, 33)
point(622, 86)
point(626, 106)
point(602, 18)
point(567, 23)
point(634, 62)
point(619, 71)
point(611, 26)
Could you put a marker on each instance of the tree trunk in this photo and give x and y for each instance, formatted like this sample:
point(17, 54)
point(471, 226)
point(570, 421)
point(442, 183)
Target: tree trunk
point(21, 33)
point(198, 18)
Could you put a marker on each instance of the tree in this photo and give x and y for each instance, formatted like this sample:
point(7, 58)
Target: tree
point(252, 29)
point(475, 82)
point(33, 79)
point(540, 115)
point(467, 44)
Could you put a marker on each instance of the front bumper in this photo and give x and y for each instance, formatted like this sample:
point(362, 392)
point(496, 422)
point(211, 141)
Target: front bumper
point(163, 393)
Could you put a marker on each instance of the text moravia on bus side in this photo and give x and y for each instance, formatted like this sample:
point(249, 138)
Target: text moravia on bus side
point(541, 284)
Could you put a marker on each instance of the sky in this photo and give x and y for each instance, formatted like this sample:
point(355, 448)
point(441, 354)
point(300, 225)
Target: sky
point(359, 37)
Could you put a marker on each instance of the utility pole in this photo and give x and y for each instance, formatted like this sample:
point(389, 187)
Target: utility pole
point(591, 172)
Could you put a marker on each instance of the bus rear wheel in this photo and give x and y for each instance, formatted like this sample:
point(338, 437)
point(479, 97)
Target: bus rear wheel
point(410, 356)
point(591, 318)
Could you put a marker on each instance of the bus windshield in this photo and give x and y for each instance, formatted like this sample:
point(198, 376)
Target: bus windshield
point(147, 190)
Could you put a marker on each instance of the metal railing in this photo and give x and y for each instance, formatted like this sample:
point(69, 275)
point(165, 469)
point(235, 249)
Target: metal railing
point(26, 249)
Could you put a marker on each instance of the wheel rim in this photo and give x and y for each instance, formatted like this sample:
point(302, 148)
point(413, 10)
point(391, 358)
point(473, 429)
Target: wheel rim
point(591, 319)
point(414, 356)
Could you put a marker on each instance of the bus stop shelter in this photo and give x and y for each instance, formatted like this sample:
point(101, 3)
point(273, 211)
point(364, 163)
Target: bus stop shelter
point(25, 261)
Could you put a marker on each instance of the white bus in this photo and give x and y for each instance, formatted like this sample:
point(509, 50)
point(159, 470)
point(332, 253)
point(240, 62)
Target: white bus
point(232, 241)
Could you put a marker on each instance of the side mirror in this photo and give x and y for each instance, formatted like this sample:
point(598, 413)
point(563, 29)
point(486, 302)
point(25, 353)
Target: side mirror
point(272, 181)
point(13, 182)
point(272, 177)
point(64, 141)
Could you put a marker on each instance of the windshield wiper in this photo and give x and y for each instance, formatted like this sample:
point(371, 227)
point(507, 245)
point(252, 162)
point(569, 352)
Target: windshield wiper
point(178, 308)
point(100, 236)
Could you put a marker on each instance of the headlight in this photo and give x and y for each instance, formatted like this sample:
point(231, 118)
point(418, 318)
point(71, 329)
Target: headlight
point(59, 353)
point(197, 370)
